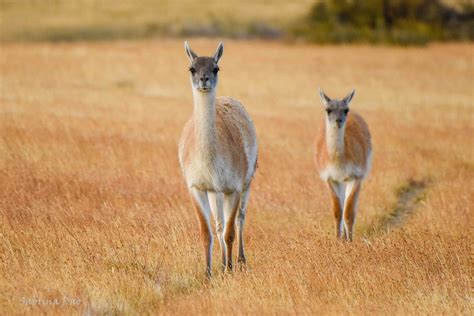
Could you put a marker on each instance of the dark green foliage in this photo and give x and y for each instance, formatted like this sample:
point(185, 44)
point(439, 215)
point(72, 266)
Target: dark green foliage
point(391, 21)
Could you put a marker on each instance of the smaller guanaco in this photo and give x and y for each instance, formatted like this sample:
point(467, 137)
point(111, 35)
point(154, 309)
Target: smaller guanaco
point(343, 158)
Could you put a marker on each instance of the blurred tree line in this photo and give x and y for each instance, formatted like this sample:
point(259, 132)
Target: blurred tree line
point(389, 21)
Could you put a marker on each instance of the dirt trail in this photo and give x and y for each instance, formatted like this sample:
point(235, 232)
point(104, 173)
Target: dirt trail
point(408, 197)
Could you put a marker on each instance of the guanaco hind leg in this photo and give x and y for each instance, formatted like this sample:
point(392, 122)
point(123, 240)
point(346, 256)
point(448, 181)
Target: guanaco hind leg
point(240, 224)
point(231, 206)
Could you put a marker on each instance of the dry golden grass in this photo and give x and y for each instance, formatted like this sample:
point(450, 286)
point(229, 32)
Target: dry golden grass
point(93, 205)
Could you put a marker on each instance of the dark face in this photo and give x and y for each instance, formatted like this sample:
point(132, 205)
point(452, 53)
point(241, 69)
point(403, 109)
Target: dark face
point(336, 112)
point(204, 73)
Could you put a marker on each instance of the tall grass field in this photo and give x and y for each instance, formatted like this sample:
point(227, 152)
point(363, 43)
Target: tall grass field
point(95, 217)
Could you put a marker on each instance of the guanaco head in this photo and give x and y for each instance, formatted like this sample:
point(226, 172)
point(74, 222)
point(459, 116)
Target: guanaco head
point(204, 69)
point(336, 110)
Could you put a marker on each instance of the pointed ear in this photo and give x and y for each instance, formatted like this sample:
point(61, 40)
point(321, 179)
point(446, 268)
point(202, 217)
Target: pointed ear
point(324, 97)
point(219, 52)
point(349, 97)
point(191, 55)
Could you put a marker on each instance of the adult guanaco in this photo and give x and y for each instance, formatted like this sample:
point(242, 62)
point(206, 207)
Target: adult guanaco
point(218, 157)
point(343, 158)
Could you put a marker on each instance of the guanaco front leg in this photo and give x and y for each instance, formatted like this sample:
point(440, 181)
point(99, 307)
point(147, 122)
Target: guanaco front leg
point(350, 205)
point(201, 204)
point(337, 191)
point(216, 201)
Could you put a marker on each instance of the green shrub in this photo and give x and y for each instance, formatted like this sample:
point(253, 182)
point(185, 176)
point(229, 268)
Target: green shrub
point(391, 21)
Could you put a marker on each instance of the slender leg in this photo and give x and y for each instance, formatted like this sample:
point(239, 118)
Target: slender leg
point(337, 196)
point(231, 205)
point(240, 223)
point(201, 204)
point(350, 205)
point(215, 201)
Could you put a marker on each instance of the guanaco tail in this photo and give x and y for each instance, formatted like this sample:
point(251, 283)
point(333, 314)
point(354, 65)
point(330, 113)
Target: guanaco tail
point(343, 158)
point(218, 158)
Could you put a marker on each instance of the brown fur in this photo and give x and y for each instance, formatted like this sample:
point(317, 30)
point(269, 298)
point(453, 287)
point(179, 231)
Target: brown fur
point(233, 126)
point(357, 144)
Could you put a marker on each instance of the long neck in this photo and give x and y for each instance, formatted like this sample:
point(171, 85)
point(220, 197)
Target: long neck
point(205, 121)
point(335, 140)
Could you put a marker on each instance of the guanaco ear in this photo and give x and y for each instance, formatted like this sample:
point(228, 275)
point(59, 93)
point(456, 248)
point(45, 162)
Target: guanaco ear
point(191, 55)
point(219, 52)
point(349, 97)
point(324, 97)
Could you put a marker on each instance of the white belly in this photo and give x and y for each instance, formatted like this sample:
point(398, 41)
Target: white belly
point(212, 176)
point(342, 173)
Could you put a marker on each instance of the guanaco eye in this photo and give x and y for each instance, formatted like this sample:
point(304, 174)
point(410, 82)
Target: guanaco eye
point(216, 70)
point(346, 111)
point(192, 70)
point(328, 111)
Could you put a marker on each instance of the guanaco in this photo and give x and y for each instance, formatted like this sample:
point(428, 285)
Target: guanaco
point(343, 158)
point(218, 158)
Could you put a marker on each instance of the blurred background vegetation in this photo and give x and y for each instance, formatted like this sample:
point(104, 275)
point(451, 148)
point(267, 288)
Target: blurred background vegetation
point(392, 21)
point(66, 20)
point(330, 21)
